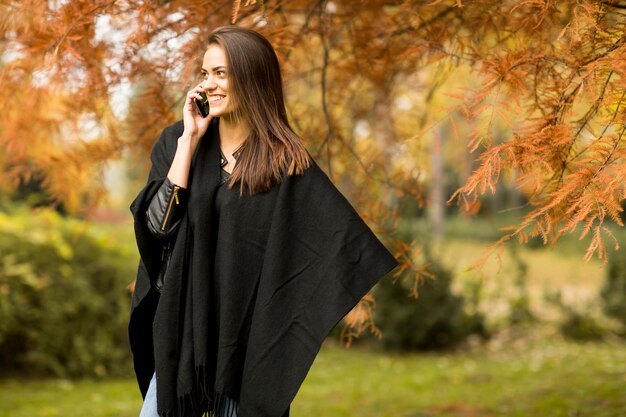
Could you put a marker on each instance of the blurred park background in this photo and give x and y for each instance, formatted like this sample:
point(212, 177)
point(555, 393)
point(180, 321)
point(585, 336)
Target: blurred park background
point(481, 140)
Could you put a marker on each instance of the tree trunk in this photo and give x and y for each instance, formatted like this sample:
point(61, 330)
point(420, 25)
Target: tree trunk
point(437, 206)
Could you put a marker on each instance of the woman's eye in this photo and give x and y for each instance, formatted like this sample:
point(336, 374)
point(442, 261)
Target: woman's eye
point(221, 73)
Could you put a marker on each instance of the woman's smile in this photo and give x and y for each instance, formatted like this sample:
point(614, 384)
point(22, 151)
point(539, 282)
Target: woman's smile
point(216, 98)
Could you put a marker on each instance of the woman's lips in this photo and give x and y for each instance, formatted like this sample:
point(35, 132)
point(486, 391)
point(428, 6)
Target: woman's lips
point(216, 99)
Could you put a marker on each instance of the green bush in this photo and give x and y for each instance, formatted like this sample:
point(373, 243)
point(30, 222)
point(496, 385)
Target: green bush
point(582, 327)
point(581, 323)
point(435, 320)
point(613, 292)
point(64, 300)
point(520, 312)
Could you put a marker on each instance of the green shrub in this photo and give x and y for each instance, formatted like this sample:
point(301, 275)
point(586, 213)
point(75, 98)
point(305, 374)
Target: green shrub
point(613, 292)
point(581, 323)
point(582, 327)
point(520, 312)
point(435, 320)
point(64, 300)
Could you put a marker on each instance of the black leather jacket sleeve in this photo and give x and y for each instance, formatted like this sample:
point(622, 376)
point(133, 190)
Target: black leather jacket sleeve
point(165, 210)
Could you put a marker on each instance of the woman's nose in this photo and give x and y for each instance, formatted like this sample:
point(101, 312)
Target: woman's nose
point(209, 84)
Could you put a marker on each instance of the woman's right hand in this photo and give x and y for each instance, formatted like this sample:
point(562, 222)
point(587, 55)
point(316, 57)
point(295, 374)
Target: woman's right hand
point(195, 128)
point(195, 124)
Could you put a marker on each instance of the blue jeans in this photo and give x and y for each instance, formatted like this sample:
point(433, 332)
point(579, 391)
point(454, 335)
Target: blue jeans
point(149, 407)
point(228, 408)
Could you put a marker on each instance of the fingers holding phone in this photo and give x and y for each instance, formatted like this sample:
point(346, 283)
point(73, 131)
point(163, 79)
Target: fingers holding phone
point(202, 104)
point(196, 111)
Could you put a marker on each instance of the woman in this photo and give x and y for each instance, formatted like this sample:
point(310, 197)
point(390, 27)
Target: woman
point(261, 255)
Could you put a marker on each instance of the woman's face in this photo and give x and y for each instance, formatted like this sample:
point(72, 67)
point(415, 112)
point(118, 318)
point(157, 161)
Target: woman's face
point(215, 83)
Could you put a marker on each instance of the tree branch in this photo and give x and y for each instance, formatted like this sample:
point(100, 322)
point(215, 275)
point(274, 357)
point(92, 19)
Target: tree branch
point(614, 5)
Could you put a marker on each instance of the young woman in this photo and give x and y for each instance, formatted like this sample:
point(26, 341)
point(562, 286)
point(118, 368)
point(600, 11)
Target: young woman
point(249, 254)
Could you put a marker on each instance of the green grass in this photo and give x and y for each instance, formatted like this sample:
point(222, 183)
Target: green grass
point(547, 379)
point(58, 397)
point(529, 377)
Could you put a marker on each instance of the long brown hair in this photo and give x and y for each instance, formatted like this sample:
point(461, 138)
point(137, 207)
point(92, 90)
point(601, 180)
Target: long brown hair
point(272, 148)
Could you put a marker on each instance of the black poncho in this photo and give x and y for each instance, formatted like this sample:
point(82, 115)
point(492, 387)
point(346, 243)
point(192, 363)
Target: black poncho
point(248, 299)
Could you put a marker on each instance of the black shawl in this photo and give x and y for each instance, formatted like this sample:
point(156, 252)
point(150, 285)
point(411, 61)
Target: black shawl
point(248, 299)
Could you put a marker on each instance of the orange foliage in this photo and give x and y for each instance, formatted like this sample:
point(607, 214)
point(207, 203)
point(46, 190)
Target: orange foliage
point(552, 72)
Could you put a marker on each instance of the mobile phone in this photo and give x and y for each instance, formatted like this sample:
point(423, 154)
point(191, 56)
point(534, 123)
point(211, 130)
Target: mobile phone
point(202, 105)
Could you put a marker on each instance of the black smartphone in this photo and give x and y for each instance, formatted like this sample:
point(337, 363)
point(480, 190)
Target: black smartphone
point(202, 105)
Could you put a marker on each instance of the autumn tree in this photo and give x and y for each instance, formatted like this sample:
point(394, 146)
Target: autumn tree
point(367, 82)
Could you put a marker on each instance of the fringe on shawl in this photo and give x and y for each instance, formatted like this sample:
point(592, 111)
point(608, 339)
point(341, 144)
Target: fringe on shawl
point(204, 402)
